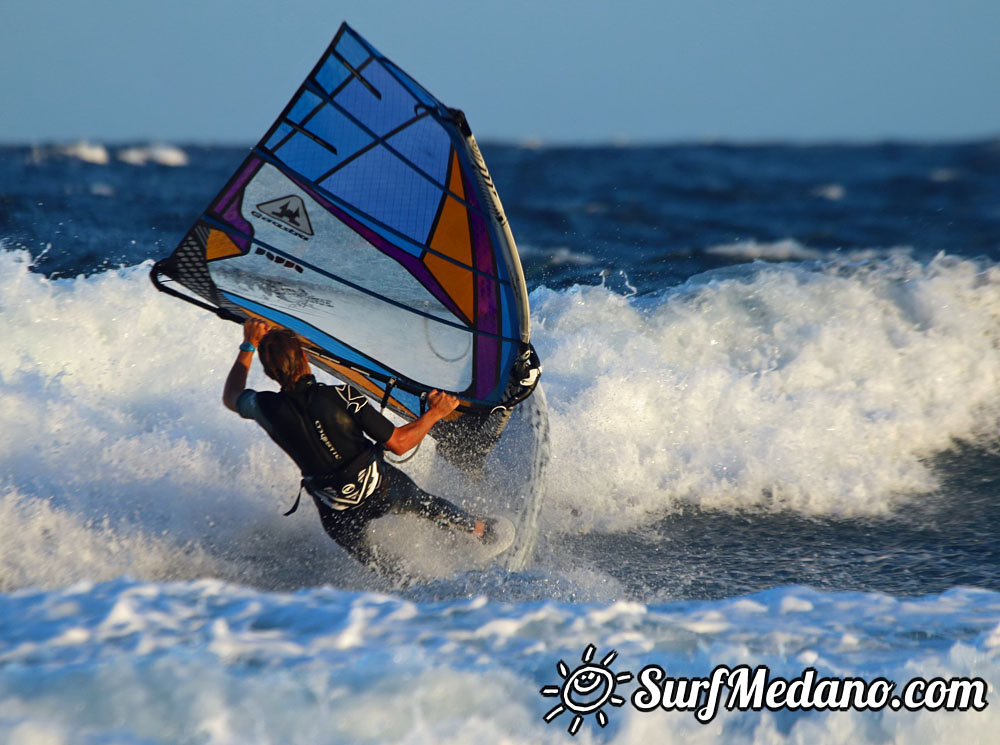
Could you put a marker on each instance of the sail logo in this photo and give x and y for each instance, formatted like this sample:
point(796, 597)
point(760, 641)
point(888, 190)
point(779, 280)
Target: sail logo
point(288, 213)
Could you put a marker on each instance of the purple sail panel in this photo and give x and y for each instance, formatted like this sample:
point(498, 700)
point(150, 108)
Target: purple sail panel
point(228, 204)
point(487, 302)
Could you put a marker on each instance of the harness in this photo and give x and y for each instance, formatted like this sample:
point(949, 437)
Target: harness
point(347, 485)
point(337, 490)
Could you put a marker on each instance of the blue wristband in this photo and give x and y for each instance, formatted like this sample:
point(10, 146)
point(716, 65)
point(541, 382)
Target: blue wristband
point(247, 347)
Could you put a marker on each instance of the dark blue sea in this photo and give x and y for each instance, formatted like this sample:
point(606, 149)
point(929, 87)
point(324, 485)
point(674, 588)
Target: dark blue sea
point(772, 375)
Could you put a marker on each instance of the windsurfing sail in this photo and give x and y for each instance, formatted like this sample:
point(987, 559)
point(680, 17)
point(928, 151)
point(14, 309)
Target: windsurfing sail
point(365, 220)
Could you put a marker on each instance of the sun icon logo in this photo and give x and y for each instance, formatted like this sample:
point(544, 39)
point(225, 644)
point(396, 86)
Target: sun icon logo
point(586, 689)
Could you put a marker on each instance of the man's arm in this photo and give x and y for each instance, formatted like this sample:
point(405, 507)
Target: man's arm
point(409, 435)
point(236, 381)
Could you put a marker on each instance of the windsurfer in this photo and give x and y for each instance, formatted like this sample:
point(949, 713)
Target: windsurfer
point(329, 432)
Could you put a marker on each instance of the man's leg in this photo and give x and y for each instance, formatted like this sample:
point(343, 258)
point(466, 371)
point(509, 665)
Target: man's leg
point(405, 496)
point(347, 527)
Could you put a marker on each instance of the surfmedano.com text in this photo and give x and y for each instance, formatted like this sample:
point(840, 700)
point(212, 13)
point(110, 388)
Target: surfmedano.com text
point(744, 689)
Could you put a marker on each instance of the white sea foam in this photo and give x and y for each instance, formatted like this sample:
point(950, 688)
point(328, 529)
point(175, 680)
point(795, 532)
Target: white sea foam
point(555, 256)
point(821, 391)
point(945, 175)
point(832, 192)
point(110, 399)
point(97, 153)
point(789, 249)
point(89, 152)
point(129, 662)
point(159, 153)
point(49, 547)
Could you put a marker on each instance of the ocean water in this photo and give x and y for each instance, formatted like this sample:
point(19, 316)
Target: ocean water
point(772, 377)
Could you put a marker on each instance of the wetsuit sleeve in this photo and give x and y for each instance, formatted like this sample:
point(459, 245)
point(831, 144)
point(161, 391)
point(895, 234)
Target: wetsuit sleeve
point(371, 421)
point(247, 405)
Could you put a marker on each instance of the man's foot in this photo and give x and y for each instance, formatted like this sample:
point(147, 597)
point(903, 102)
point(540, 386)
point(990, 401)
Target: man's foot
point(485, 531)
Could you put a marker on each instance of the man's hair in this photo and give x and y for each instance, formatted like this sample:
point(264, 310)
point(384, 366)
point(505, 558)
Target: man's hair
point(281, 356)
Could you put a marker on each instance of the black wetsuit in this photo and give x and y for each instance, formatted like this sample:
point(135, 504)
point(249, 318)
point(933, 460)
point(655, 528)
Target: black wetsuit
point(323, 428)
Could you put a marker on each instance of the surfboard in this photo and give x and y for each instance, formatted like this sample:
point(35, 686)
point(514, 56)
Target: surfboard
point(366, 221)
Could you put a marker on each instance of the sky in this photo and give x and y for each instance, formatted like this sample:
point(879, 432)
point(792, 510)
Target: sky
point(549, 71)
